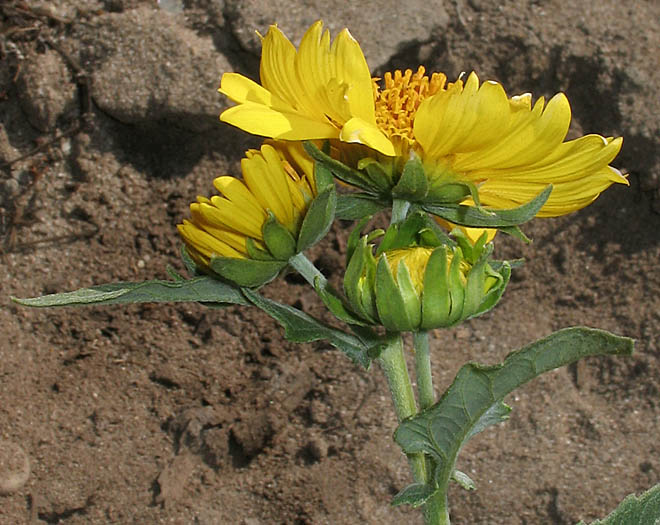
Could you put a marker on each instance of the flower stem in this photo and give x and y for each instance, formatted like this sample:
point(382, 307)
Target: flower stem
point(399, 210)
point(394, 367)
point(306, 268)
point(423, 370)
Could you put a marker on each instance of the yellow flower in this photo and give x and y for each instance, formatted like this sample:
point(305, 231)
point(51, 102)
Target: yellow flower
point(278, 179)
point(465, 131)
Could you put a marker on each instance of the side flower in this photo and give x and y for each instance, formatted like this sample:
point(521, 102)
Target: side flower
point(248, 233)
point(422, 288)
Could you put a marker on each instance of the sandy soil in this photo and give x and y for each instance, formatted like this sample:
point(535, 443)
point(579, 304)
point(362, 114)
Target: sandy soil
point(182, 414)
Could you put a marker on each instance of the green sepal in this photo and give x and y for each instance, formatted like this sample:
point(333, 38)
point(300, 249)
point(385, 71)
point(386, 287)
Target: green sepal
point(300, 327)
point(474, 400)
point(202, 289)
point(448, 193)
point(380, 176)
point(335, 304)
point(444, 188)
point(414, 495)
point(413, 185)
point(340, 170)
point(323, 177)
point(254, 252)
point(516, 232)
point(358, 290)
point(476, 217)
point(278, 239)
point(456, 289)
point(318, 219)
point(354, 238)
point(411, 300)
point(188, 261)
point(436, 302)
point(358, 205)
point(463, 480)
point(246, 272)
point(476, 282)
point(392, 310)
point(495, 294)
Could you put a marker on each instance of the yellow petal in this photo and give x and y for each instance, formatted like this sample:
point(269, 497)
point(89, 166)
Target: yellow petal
point(268, 122)
point(351, 69)
point(241, 89)
point(204, 243)
point(360, 131)
point(277, 70)
point(458, 121)
point(234, 190)
point(224, 214)
point(531, 136)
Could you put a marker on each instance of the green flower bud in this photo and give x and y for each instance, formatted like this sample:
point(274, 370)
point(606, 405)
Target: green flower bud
point(420, 288)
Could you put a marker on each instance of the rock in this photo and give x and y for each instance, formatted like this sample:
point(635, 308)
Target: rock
point(45, 89)
point(14, 467)
point(157, 70)
point(365, 20)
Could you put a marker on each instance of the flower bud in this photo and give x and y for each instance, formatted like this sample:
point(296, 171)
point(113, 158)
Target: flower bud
point(421, 288)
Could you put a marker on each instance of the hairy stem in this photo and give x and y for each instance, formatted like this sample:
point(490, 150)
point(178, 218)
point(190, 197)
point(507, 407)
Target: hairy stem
point(423, 370)
point(394, 367)
point(306, 268)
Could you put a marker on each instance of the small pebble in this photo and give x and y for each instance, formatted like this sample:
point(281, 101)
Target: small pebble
point(14, 467)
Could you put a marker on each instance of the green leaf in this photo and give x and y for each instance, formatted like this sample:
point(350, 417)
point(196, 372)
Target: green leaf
point(475, 217)
point(474, 400)
point(199, 289)
point(413, 185)
point(318, 219)
point(415, 495)
point(246, 272)
point(278, 239)
point(358, 205)
point(300, 327)
point(635, 510)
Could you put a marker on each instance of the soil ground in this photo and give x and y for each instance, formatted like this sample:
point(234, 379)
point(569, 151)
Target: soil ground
point(184, 414)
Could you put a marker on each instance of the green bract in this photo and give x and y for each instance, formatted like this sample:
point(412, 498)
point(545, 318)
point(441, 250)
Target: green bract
point(411, 287)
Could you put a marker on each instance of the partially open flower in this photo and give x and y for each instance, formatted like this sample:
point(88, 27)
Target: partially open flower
point(466, 132)
point(257, 220)
point(421, 288)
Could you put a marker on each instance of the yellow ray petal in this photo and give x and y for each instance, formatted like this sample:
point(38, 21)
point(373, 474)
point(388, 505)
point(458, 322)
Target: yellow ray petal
point(360, 131)
point(225, 214)
point(234, 190)
point(268, 122)
point(204, 243)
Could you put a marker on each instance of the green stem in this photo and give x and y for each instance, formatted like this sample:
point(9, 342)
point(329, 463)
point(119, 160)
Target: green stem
point(423, 370)
point(436, 509)
point(306, 268)
point(394, 367)
point(399, 210)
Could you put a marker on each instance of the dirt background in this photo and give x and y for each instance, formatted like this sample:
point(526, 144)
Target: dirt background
point(181, 414)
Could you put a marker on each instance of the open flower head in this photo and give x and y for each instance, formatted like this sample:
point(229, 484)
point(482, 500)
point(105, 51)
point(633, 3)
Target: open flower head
point(278, 179)
point(509, 148)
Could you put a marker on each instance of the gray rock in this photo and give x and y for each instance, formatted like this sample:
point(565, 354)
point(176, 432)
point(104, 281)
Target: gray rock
point(45, 89)
point(158, 70)
point(365, 20)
